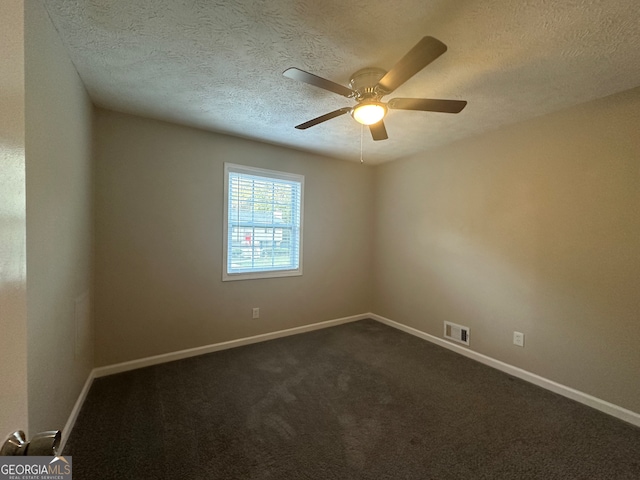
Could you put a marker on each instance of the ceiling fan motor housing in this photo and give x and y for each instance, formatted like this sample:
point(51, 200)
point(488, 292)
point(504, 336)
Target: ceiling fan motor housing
point(364, 83)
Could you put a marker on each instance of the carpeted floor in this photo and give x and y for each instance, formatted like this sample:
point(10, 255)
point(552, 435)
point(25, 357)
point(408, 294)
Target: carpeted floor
point(357, 401)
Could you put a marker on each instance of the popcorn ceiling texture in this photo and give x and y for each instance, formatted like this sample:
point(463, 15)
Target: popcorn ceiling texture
point(218, 65)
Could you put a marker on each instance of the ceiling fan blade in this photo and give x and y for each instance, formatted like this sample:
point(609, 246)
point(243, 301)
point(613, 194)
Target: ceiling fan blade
point(427, 105)
point(311, 79)
point(378, 131)
point(425, 52)
point(323, 118)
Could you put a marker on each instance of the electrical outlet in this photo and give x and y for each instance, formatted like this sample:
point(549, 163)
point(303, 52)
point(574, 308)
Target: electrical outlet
point(256, 313)
point(518, 339)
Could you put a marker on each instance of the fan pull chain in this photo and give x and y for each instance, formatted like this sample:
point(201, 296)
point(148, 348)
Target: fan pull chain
point(361, 137)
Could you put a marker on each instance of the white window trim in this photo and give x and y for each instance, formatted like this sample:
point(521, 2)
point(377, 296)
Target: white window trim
point(232, 167)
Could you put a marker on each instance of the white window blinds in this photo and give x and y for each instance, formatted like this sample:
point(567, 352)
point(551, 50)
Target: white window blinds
point(263, 223)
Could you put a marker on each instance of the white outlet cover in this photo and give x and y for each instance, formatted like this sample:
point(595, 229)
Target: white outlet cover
point(518, 339)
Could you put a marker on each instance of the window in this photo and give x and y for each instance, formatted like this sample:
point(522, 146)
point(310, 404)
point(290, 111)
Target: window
point(263, 223)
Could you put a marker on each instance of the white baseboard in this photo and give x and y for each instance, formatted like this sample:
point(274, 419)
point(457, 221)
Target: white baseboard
point(193, 352)
point(66, 431)
point(581, 397)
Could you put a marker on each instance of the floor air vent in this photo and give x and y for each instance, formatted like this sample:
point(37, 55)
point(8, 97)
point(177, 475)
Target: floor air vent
point(457, 333)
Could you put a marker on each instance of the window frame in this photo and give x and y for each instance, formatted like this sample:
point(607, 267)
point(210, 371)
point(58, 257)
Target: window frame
point(266, 173)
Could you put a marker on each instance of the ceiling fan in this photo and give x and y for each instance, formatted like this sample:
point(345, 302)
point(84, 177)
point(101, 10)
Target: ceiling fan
point(369, 85)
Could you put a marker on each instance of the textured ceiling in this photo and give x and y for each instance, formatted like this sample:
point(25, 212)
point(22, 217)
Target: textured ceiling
point(218, 65)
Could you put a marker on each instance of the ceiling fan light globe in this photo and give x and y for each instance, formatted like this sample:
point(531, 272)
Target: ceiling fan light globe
point(369, 113)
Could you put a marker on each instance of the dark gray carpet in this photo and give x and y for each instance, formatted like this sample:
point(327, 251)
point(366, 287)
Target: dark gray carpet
point(357, 401)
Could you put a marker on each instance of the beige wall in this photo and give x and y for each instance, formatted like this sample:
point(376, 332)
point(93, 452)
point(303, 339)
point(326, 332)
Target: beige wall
point(159, 205)
point(59, 224)
point(13, 283)
point(534, 228)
